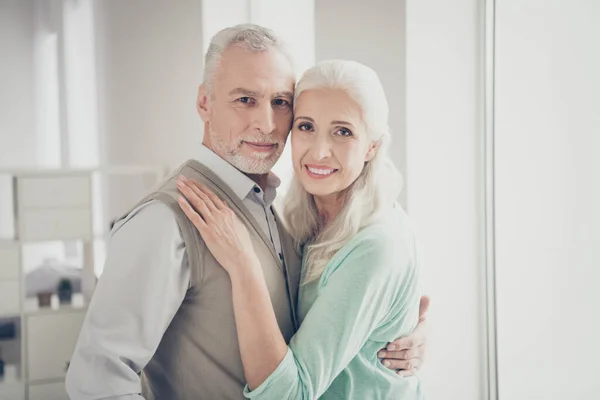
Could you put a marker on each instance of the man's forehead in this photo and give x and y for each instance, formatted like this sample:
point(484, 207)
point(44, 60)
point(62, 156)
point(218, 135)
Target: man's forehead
point(260, 93)
point(257, 85)
point(264, 72)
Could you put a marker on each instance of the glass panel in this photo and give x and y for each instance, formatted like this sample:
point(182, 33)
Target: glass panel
point(52, 268)
point(7, 216)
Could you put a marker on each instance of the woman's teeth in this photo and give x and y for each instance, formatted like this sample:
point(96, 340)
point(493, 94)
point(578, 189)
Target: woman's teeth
point(321, 171)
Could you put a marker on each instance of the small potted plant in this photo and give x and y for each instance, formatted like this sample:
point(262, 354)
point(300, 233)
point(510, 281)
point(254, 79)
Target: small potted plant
point(65, 290)
point(44, 298)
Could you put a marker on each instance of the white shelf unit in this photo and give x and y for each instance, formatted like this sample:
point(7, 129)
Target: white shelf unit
point(49, 206)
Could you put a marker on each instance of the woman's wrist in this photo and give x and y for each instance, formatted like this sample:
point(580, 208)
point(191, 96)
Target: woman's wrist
point(246, 267)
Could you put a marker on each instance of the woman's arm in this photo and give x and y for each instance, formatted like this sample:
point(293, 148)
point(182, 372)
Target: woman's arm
point(356, 297)
point(262, 345)
point(353, 301)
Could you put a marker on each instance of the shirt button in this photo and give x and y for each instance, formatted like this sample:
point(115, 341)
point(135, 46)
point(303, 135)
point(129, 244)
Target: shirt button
point(256, 189)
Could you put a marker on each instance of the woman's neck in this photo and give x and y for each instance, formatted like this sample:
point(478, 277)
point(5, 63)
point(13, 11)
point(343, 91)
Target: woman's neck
point(328, 207)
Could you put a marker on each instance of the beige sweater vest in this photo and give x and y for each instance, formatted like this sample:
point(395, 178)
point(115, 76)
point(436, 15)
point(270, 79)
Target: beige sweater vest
point(198, 356)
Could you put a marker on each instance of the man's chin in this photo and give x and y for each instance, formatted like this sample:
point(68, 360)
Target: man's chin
point(252, 165)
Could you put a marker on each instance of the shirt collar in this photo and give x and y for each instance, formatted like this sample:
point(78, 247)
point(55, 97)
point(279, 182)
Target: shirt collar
point(234, 178)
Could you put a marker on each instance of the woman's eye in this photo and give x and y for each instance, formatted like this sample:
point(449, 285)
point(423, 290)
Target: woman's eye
point(306, 127)
point(344, 132)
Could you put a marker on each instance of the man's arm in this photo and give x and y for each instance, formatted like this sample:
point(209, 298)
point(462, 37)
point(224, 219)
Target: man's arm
point(406, 354)
point(142, 286)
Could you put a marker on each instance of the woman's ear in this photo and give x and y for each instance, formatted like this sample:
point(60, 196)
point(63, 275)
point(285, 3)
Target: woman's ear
point(372, 151)
point(202, 103)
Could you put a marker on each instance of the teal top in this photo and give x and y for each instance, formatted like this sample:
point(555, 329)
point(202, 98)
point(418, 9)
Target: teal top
point(367, 296)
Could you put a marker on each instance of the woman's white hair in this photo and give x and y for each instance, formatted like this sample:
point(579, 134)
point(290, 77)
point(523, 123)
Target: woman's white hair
point(376, 188)
point(250, 36)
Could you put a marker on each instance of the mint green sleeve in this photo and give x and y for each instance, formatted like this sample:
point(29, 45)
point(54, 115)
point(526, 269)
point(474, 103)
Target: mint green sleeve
point(357, 295)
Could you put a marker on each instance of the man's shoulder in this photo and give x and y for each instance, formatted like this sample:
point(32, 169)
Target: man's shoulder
point(151, 215)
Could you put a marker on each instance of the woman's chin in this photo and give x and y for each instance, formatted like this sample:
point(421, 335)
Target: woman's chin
point(319, 190)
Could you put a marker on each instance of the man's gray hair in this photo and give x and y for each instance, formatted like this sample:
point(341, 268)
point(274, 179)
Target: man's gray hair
point(250, 36)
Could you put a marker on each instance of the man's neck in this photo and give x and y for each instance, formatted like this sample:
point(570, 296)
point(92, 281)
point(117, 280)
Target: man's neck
point(260, 179)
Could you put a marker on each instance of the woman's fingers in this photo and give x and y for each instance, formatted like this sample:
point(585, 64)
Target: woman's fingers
point(219, 204)
point(406, 372)
point(192, 185)
point(192, 214)
point(195, 201)
point(398, 355)
point(399, 364)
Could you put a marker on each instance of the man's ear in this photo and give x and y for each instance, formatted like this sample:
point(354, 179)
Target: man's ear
point(202, 103)
point(372, 151)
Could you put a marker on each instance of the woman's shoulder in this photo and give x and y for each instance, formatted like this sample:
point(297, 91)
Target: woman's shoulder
point(388, 231)
point(387, 243)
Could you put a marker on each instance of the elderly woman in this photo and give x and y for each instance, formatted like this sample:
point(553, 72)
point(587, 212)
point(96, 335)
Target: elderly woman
point(360, 275)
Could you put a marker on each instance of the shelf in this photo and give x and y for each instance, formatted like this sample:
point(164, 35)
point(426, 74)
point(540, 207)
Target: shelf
point(5, 384)
point(10, 314)
point(62, 215)
point(12, 390)
point(31, 308)
point(48, 311)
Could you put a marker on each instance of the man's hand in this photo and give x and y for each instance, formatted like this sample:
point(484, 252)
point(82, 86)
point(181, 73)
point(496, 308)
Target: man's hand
point(406, 354)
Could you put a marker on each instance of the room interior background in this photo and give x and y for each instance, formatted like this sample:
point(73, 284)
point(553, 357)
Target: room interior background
point(494, 112)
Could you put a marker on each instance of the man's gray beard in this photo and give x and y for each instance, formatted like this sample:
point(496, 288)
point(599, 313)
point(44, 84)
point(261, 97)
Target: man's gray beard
point(248, 165)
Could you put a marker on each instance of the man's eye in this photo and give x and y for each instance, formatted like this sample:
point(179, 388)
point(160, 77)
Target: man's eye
point(281, 102)
point(245, 100)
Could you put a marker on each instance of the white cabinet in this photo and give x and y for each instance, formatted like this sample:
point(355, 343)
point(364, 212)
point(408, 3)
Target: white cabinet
point(50, 207)
point(48, 391)
point(12, 391)
point(54, 192)
point(10, 288)
point(9, 262)
point(55, 224)
point(62, 330)
point(54, 207)
point(10, 293)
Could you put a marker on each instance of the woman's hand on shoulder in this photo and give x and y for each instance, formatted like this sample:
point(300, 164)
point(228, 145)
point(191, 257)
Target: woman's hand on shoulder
point(224, 233)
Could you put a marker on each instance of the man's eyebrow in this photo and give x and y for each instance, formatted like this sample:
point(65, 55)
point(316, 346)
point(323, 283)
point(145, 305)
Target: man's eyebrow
point(245, 92)
point(286, 94)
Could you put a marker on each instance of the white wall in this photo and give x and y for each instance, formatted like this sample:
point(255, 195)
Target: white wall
point(149, 64)
point(445, 176)
point(17, 133)
point(373, 33)
point(46, 105)
point(17, 136)
point(80, 96)
point(548, 194)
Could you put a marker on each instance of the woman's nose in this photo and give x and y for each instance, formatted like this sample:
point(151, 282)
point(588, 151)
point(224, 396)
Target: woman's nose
point(322, 148)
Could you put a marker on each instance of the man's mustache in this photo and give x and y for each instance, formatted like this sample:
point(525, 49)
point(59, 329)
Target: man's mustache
point(260, 139)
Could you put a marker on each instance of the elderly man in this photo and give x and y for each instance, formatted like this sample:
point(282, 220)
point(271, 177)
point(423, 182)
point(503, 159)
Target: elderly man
point(160, 324)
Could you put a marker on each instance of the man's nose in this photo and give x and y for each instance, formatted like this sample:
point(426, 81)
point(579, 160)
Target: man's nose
point(264, 118)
